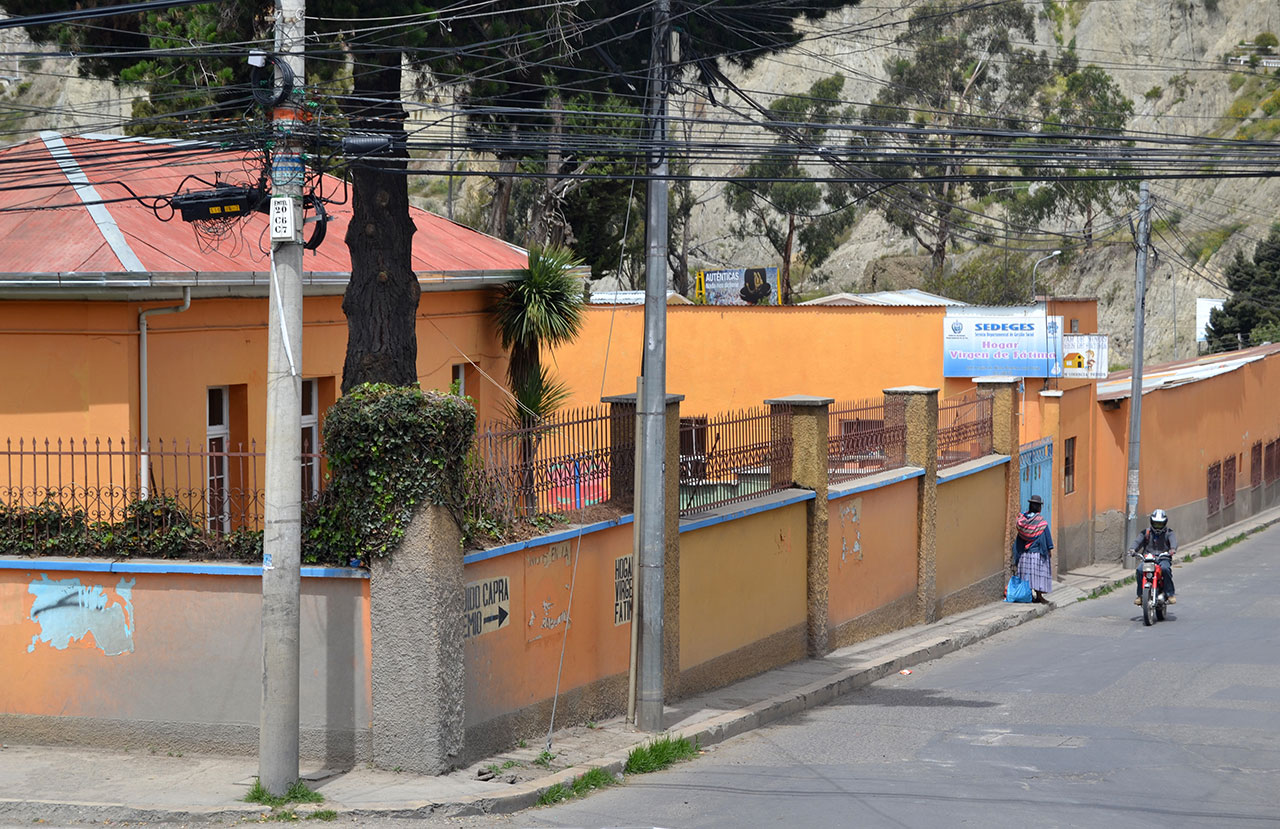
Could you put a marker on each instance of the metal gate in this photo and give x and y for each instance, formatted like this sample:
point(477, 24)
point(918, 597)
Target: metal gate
point(1035, 463)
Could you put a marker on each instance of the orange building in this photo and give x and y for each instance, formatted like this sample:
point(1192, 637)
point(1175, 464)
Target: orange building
point(91, 278)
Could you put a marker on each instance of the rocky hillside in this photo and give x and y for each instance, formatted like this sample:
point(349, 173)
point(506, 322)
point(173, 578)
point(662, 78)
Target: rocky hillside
point(1165, 55)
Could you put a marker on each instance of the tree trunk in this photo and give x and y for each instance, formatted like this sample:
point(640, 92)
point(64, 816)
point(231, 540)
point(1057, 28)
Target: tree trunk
point(1088, 226)
point(785, 299)
point(547, 214)
point(381, 301)
point(682, 262)
point(505, 183)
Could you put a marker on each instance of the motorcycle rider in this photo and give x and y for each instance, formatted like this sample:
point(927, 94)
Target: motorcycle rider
point(1163, 541)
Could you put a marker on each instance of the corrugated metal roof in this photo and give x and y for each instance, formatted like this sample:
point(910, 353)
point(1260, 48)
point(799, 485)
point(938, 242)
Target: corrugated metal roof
point(1118, 385)
point(905, 297)
point(632, 298)
point(62, 237)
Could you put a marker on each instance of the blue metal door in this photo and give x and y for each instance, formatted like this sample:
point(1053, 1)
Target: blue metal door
point(1035, 462)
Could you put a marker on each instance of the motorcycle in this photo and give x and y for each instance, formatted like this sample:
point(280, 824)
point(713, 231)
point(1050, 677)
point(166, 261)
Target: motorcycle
point(1153, 598)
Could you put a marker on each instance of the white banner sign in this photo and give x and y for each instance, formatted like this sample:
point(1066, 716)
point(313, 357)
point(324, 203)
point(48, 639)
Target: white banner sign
point(1085, 356)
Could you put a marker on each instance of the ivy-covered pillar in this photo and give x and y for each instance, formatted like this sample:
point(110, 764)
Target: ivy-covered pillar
point(396, 456)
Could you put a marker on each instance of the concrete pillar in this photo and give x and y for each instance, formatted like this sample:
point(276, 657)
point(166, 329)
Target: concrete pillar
point(624, 405)
point(622, 438)
point(1004, 441)
point(416, 604)
point(671, 579)
point(1051, 417)
point(809, 431)
point(916, 409)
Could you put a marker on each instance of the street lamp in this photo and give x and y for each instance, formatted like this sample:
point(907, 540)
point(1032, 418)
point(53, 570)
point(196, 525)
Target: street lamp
point(1033, 271)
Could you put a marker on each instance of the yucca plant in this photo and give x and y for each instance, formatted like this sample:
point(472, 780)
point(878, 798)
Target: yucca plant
point(542, 308)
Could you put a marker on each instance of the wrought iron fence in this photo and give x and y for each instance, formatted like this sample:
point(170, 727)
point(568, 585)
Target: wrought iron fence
point(861, 441)
point(1213, 483)
point(734, 456)
point(568, 461)
point(91, 496)
point(964, 428)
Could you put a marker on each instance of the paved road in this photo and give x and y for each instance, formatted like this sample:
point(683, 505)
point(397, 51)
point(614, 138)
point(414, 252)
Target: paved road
point(1083, 718)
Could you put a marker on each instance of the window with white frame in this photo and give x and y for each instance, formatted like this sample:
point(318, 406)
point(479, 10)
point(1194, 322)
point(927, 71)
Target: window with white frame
point(460, 378)
point(217, 434)
point(310, 439)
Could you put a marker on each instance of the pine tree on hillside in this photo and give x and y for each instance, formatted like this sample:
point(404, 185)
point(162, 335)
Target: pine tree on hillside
point(1252, 315)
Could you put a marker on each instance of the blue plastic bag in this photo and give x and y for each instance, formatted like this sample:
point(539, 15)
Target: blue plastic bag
point(1017, 590)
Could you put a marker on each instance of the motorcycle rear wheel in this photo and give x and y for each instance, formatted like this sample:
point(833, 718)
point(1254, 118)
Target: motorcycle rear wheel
point(1148, 606)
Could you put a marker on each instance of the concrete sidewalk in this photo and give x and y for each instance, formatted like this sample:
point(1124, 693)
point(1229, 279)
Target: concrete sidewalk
point(70, 784)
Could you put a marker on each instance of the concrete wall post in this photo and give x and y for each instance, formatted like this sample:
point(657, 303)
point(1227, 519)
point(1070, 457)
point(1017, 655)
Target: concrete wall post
point(1051, 417)
point(671, 582)
point(1005, 441)
point(809, 431)
point(916, 408)
point(415, 605)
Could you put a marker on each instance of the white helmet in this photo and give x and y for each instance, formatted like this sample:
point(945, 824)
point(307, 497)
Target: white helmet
point(1159, 520)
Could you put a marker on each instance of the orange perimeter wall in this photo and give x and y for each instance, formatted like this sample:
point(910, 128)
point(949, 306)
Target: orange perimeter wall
point(731, 357)
point(872, 544)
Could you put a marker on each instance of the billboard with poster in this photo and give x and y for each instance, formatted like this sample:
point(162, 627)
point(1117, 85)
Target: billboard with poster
point(1019, 342)
point(737, 286)
point(1085, 356)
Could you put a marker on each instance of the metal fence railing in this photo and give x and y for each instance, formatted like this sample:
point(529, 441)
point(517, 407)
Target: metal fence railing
point(861, 440)
point(68, 489)
point(734, 456)
point(566, 462)
point(964, 428)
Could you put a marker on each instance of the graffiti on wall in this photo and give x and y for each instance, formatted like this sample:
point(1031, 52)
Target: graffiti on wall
point(547, 576)
point(92, 615)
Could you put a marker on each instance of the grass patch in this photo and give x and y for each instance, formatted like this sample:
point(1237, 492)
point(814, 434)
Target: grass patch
point(1264, 129)
point(659, 754)
point(1235, 81)
point(297, 793)
point(578, 787)
point(1203, 245)
point(544, 759)
point(323, 814)
point(553, 794)
point(1108, 588)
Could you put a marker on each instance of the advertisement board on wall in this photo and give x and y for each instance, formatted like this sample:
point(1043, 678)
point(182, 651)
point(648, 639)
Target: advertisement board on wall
point(1020, 342)
point(1085, 356)
point(1205, 307)
point(734, 286)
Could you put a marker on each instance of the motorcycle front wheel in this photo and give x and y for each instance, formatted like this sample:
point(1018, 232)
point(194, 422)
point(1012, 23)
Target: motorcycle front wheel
point(1148, 606)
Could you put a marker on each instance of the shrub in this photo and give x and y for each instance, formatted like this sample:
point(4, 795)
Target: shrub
point(390, 448)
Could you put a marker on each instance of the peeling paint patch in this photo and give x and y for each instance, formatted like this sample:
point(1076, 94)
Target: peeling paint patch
point(851, 522)
point(68, 611)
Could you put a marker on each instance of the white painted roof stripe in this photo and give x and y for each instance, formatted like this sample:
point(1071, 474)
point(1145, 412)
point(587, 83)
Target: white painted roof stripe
point(93, 202)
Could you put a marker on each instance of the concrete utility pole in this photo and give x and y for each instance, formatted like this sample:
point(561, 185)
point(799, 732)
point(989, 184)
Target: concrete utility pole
point(651, 499)
point(282, 536)
point(1135, 393)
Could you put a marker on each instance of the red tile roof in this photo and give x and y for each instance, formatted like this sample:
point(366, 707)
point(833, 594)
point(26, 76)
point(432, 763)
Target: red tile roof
point(63, 235)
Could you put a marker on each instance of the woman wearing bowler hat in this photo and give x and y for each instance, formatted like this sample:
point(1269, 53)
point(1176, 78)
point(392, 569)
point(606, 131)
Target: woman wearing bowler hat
point(1031, 548)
